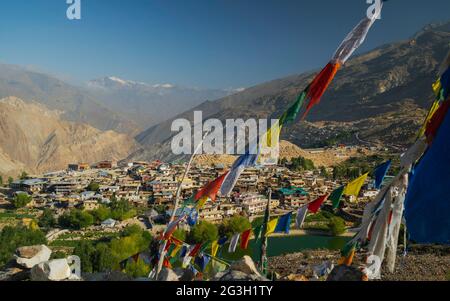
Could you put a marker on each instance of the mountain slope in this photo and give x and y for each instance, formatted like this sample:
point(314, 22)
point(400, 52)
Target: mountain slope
point(372, 95)
point(34, 139)
point(149, 104)
point(75, 103)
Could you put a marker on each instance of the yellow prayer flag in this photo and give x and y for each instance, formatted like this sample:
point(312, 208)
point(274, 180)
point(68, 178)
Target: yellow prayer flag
point(430, 115)
point(271, 226)
point(269, 145)
point(175, 250)
point(202, 202)
point(354, 187)
point(214, 248)
point(437, 86)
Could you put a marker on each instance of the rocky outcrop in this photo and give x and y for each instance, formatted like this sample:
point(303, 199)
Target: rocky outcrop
point(167, 275)
point(28, 257)
point(242, 270)
point(346, 273)
point(53, 270)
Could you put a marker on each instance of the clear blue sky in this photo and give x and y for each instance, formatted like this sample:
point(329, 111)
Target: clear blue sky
point(203, 43)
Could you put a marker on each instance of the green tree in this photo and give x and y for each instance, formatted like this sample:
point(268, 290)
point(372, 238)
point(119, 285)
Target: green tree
point(180, 234)
point(12, 238)
point(1, 180)
point(137, 269)
point(131, 230)
point(93, 186)
point(336, 225)
point(122, 210)
point(10, 180)
point(203, 232)
point(21, 200)
point(233, 225)
point(47, 219)
point(85, 250)
point(103, 259)
point(101, 214)
point(76, 219)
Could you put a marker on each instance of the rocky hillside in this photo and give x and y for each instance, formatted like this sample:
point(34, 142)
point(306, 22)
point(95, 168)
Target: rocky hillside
point(35, 139)
point(378, 97)
point(75, 103)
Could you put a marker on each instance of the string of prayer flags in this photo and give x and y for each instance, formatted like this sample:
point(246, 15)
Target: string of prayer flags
point(348, 46)
point(233, 243)
point(380, 173)
point(353, 188)
point(245, 238)
point(301, 215)
point(271, 226)
point(336, 195)
point(238, 167)
point(211, 189)
point(315, 206)
point(284, 224)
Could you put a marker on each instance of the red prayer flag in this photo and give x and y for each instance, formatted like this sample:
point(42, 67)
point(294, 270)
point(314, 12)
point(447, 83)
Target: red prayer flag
point(435, 123)
point(315, 206)
point(245, 238)
point(320, 83)
point(166, 263)
point(195, 250)
point(211, 189)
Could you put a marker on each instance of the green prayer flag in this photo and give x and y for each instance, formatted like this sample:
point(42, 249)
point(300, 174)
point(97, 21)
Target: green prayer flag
point(345, 252)
point(257, 232)
point(335, 196)
point(291, 114)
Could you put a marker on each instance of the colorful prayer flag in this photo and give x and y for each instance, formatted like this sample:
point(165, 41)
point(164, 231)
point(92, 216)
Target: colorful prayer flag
point(380, 173)
point(301, 215)
point(291, 114)
point(195, 250)
point(355, 39)
point(211, 189)
point(335, 196)
point(257, 232)
point(233, 243)
point(214, 248)
point(245, 238)
point(218, 266)
point(222, 241)
point(353, 188)
point(271, 226)
point(320, 83)
point(284, 224)
point(236, 170)
point(315, 206)
point(202, 261)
